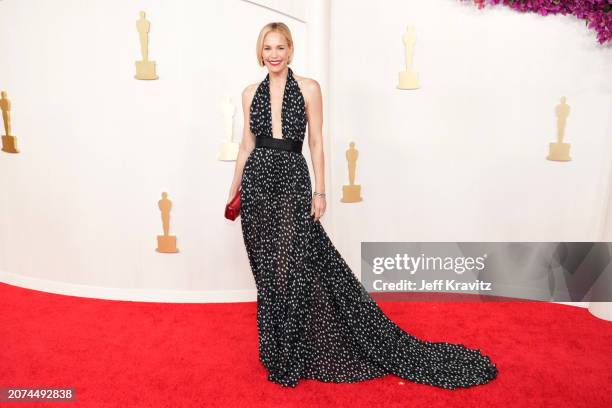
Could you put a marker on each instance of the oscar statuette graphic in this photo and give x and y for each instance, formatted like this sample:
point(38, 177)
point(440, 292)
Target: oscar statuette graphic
point(409, 79)
point(352, 192)
point(229, 148)
point(145, 69)
point(9, 142)
point(559, 151)
point(166, 243)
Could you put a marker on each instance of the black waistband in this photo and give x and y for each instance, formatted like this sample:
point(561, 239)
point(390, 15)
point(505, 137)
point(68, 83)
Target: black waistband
point(281, 144)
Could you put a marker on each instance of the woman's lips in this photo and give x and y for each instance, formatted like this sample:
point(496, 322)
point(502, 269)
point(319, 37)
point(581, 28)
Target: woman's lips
point(275, 62)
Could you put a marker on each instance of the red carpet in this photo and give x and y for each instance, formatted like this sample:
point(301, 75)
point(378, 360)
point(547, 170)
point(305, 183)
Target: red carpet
point(132, 354)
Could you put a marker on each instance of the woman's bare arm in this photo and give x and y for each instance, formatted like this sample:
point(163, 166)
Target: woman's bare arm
point(314, 113)
point(247, 144)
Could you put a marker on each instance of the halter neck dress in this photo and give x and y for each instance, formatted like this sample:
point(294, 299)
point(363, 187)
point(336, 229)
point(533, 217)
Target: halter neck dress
point(315, 320)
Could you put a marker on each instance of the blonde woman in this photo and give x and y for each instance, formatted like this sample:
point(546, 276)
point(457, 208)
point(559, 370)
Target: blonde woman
point(315, 320)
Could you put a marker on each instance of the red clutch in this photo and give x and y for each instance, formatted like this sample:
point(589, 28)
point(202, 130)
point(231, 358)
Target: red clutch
point(232, 209)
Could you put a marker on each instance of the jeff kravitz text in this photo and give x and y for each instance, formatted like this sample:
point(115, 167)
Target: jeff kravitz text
point(435, 285)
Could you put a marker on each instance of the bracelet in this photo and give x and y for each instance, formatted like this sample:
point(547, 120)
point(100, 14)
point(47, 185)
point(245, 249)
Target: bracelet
point(319, 194)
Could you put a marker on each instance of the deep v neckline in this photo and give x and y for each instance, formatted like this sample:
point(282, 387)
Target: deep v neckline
point(283, 103)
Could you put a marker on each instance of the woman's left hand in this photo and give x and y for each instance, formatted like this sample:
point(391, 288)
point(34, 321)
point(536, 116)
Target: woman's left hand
point(318, 207)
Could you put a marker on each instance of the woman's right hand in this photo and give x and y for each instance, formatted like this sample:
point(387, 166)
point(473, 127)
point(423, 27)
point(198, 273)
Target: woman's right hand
point(232, 193)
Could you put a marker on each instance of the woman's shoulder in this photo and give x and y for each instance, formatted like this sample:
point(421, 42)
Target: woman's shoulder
point(248, 93)
point(310, 88)
point(306, 83)
point(251, 88)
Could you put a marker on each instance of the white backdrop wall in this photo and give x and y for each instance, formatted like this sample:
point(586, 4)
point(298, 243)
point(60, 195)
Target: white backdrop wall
point(463, 158)
point(460, 159)
point(79, 204)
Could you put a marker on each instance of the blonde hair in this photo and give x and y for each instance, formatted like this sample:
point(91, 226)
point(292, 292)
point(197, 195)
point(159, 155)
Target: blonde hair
point(268, 28)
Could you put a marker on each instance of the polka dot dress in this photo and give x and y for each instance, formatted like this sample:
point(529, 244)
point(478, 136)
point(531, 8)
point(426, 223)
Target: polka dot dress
point(315, 320)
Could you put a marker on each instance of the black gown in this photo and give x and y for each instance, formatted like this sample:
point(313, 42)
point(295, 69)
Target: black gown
point(315, 320)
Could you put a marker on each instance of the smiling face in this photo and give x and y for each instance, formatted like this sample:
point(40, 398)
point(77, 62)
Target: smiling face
point(276, 52)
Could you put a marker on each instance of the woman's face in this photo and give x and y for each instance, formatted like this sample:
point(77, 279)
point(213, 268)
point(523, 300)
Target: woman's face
point(275, 52)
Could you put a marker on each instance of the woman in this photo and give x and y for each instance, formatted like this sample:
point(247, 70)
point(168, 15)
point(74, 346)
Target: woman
point(314, 318)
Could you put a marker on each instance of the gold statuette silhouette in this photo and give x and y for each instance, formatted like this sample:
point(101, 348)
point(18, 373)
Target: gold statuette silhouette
point(409, 79)
point(145, 69)
point(229, 148)
point(559, 151)
point(352, 192)
point(9, 142)
point(166, 243)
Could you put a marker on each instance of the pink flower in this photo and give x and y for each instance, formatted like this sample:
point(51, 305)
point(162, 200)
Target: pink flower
point(597, 13)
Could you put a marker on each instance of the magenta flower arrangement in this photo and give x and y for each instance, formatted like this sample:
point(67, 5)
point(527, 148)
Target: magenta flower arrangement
point(596, 13)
